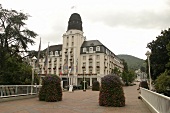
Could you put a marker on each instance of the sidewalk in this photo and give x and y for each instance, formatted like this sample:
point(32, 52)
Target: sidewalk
point(76, 102)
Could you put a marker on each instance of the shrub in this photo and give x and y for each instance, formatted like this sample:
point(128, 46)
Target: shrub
point(144, 84)
point(111, 92)
point(163, 83)
point(95, 86)
point(51, 90)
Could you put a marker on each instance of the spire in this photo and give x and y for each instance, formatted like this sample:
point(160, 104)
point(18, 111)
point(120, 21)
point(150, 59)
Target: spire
point(75, 22)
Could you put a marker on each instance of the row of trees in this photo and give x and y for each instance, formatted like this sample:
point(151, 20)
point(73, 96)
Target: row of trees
point(160, 60)
point(14, 39)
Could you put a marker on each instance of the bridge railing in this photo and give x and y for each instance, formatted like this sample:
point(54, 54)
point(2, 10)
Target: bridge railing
point(157, 103)
point(18, 90)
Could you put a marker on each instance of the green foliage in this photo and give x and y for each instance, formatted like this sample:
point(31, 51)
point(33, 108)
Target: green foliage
point(163, 82)
point(111, 92)
point(159, 57)
point(51, 90)
point(133, 63)
point(116, 71)
point(96, 86)
point(128, 77)
point(15, 37)
point(15, 72)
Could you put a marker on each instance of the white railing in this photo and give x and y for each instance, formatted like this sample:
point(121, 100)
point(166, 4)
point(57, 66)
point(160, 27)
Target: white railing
point(157, 102)
point(18, 90)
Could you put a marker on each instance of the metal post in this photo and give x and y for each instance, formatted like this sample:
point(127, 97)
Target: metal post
point(32, 81)
point(84, 81)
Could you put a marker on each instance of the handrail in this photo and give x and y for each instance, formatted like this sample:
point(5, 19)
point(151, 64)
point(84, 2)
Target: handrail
point(18, 90)
point(157, 102)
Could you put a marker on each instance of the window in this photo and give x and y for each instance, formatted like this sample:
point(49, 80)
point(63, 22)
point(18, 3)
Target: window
point(67, 43)
point(84, 63)
point(98, 64)
point(84, 49)
point(90, 56)
point(56, 53)
point(98, 48)
point(60, 52)
point(72, 43)
point(90, 63)
point(91, 50)
point(98, 71)
point(60, 59)
point(90, 71)
point(51, 53)
point(84, 57)
point(98, 57)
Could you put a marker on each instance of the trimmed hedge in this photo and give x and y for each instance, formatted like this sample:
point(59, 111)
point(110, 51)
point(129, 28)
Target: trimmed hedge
point(111, 91)
point(96, 86)
point(51, 90)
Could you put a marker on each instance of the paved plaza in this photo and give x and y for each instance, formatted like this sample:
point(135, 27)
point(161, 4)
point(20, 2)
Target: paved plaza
point(76, 102)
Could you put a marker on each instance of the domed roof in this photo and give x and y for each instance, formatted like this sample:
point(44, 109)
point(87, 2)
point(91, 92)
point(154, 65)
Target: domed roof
point(75, 22)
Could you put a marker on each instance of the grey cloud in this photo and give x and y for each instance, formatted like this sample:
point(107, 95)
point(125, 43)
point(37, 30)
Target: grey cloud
point(142, 19)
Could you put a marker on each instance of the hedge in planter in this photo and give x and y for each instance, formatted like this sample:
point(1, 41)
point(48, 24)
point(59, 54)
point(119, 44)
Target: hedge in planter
point(111, 92)
point(51, 90)
point(95, 86)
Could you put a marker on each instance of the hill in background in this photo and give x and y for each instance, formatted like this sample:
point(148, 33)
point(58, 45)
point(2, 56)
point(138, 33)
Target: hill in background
point(133, 63)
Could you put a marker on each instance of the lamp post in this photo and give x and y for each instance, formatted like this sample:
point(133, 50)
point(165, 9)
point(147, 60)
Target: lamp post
point(84, 89)
point(33, 67)
point(148, 55)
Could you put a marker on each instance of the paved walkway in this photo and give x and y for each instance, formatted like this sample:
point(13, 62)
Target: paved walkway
point(76, 102)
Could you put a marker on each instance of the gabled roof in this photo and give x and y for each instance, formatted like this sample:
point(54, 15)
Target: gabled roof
point(91, 43)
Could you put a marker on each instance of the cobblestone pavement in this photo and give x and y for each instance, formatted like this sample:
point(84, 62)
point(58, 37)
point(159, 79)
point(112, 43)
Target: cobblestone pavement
point(76, 102)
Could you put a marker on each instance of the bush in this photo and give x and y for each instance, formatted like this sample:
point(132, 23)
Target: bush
point(95, 86)
point(51, 90)
point(162, 83)
point(144, 84)
point(111, 92)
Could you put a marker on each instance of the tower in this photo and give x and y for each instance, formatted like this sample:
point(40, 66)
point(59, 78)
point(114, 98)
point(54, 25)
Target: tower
point(72, 41)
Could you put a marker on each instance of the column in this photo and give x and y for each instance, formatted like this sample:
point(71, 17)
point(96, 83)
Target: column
point(94, 63)
point(91, 81)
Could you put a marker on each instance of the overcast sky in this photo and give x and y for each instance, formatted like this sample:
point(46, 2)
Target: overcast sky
point(123, 26)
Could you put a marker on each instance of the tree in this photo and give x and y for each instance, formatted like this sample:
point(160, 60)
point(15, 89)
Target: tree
point(116, 71)
point(159, 57)
point(13, 40)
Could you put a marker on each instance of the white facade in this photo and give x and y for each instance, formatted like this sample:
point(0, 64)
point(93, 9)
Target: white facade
point(92, 61)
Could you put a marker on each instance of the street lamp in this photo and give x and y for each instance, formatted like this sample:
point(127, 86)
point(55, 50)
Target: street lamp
point(33, 67)
point(84, 89)
point(148, 55)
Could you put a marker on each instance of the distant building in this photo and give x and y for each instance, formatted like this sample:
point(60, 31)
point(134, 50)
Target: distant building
point(82, 57)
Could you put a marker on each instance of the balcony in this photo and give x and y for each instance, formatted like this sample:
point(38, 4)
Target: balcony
point(59, 68)
point(97, 66)
point(90, 59)
point(90, 66)
point(54, 68)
